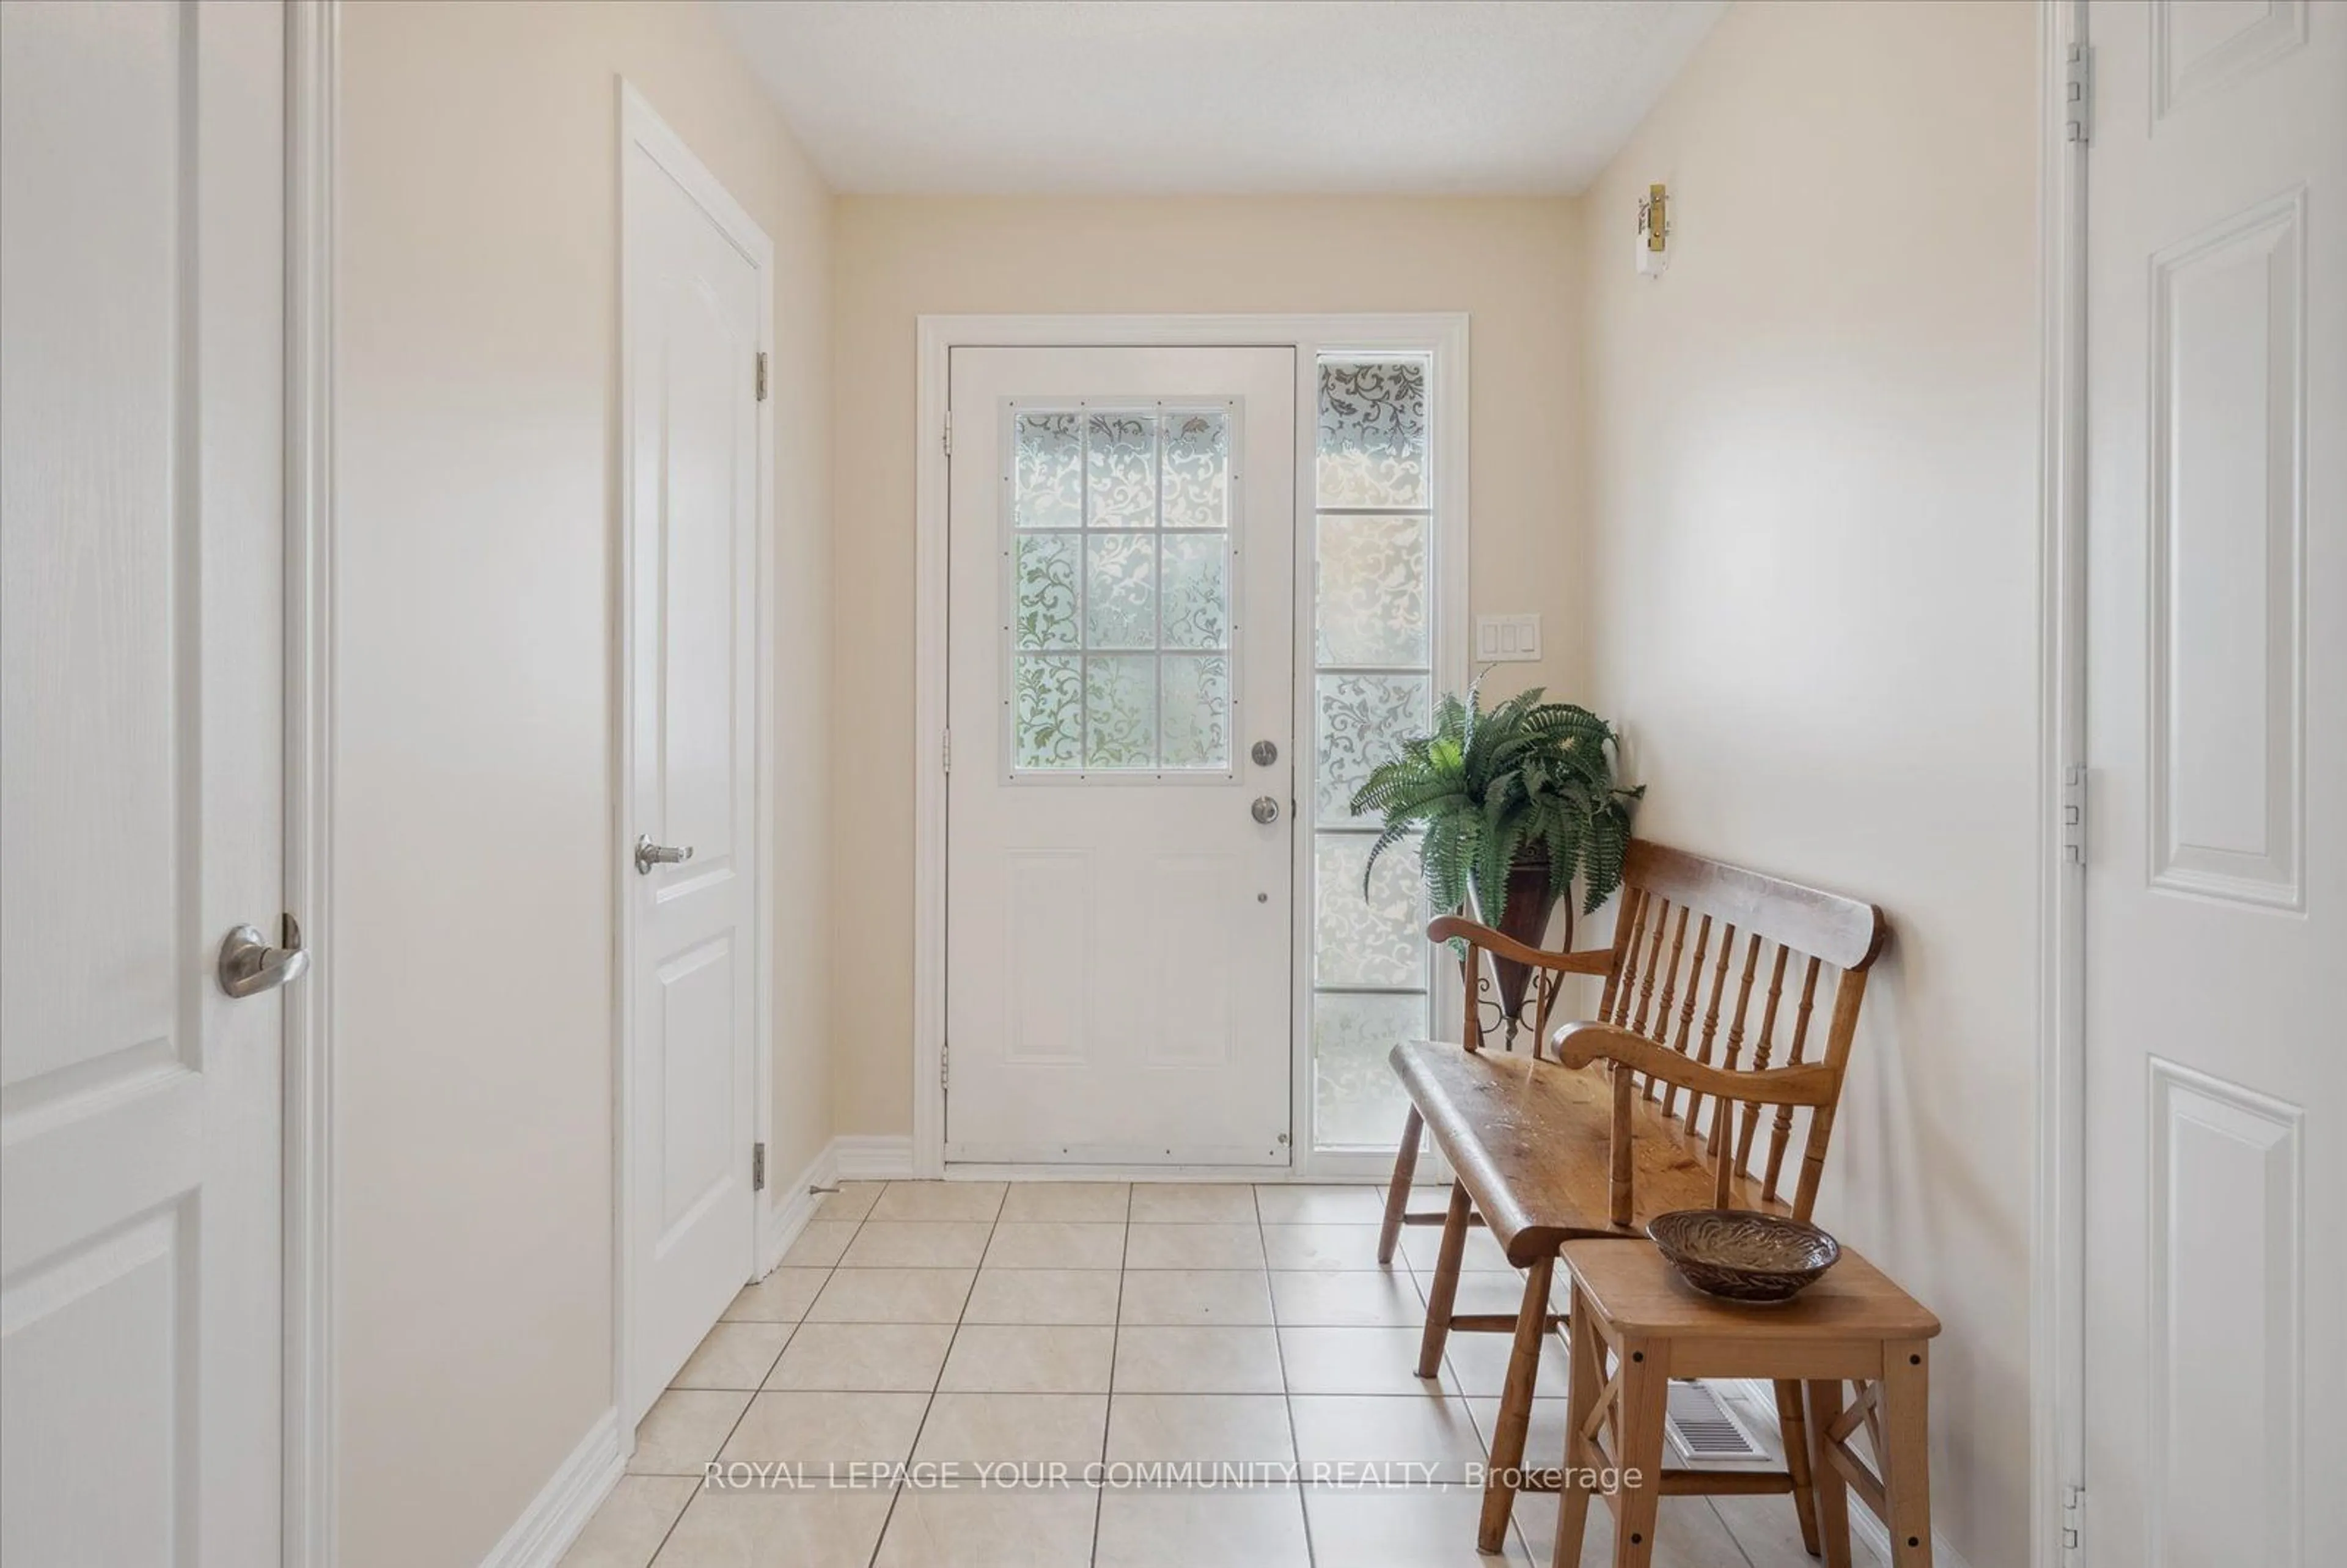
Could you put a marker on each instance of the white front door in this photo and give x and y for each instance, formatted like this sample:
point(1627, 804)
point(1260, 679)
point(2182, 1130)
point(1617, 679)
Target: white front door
point(2216, 881)
point(141, 768)
point(692, 848)
point(1117, 882)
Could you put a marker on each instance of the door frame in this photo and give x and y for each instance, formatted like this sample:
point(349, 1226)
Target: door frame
point(642, 128)
point(2058, 1240)
point(312, 77)
point(1443, 336)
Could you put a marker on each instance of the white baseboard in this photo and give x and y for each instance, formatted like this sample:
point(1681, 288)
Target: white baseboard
point(1757, 1401)
point(560, 1511)
point(789, 1206)
point(848, 1158)
point(875, 1157)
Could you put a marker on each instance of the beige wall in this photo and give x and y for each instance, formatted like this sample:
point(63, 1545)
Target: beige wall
point(1807, 462)
point(1511, 264)
point(479, 312)
point(1813, 454)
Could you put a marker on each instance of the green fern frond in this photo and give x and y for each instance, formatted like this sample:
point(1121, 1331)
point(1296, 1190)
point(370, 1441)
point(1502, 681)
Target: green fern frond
point(1487, 789)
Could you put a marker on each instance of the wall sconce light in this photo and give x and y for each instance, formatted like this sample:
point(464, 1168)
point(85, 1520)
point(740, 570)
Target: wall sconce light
point(1654, 232)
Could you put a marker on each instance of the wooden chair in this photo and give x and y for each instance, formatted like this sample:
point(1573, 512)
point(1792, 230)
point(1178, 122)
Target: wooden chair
point(1637, 1326)
point(1548, 1151)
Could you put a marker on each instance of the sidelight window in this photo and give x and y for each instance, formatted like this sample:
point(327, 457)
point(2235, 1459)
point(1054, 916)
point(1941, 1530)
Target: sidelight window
point(1373, 685)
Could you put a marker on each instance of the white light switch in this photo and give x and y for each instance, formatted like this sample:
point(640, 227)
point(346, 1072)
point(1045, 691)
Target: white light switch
point(1507, 639)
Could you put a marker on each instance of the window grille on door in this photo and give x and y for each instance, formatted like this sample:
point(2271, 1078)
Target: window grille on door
point(1373, 686)
point(1121, 619)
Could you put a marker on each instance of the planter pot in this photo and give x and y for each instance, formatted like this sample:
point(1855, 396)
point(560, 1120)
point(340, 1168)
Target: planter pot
point(1530, 906)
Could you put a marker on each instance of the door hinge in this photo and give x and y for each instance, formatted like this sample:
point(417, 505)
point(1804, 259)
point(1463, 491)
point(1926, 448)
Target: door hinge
point(757, 1167)
point(2071, 1498)
point(948, 435)
point(2073, 815)
point(762, 376)
point(945, 1067)
point(945, 750)
point(2078, 91)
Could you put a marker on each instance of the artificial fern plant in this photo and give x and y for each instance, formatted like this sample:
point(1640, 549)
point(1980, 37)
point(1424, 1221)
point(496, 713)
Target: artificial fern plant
point(1486, 791)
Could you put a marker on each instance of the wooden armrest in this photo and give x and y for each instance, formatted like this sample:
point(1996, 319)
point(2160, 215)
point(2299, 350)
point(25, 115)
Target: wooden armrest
point(1443, 927)
point(1579, 1044)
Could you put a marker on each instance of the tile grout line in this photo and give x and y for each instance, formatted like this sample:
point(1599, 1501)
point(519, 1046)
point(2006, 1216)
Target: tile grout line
point(896, 1494)
point(1108, 1405)
point(1458, 1389)
point(1727, 1530)
point(1467, 1403)
point(829, 1269)
point(1727, 1526)
point(1287, 1393)
point(1745, 1551)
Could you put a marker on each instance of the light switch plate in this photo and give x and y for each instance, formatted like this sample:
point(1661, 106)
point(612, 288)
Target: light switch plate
point(1507, 639)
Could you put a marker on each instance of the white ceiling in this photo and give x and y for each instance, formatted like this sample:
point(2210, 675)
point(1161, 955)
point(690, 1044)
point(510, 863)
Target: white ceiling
point(1163, 96)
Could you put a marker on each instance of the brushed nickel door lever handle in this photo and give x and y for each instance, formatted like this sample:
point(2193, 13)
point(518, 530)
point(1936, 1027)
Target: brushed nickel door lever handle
point(649, 854)
point(248, 965)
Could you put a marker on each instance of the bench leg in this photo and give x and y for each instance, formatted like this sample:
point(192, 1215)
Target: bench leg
point(1446, 1282)
point(1515, 1408)
point(1646, 1400)
point(1398, 1194)
point(1797, 1460)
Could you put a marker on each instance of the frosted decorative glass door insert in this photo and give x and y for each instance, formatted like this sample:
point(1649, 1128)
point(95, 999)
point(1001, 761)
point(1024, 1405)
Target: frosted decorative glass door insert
point(1121, 623)
point(1373, 685)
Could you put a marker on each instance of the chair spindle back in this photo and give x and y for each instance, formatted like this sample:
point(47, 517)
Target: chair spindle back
point(1696, 941)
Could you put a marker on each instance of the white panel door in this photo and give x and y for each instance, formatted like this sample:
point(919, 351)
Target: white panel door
point(141, 761)
point(2216, 1258)
point(693, 337)
point(1118, 883)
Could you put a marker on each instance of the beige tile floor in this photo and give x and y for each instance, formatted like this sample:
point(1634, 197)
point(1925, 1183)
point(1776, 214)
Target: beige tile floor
point(951, 1325)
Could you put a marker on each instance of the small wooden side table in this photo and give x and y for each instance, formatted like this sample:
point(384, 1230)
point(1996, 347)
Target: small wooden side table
point(1636, 1324)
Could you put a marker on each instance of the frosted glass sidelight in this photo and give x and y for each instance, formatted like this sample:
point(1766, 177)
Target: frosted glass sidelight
point(1197, 590)
point(1372, 435)
point(1121, 470)
point(1356, 1101)
point(1045, 616)
point(1371, 591)
point(1046, 711)
point(1120, 711)
point(1197, 470)
point(1361, 721)
point(1197, 711)
point(1049, 474)
point(1373, 687)
point(1121, 591)
point(1378, 940)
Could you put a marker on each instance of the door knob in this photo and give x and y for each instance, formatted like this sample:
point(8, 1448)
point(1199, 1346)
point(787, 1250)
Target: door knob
point(649, 854)
point(248, 965)
point(1264, 809)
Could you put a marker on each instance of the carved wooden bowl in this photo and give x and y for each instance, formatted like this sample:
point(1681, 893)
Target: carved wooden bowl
point(1743, 1256)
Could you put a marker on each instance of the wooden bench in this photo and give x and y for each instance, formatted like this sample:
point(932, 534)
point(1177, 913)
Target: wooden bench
point(1653, 1106)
